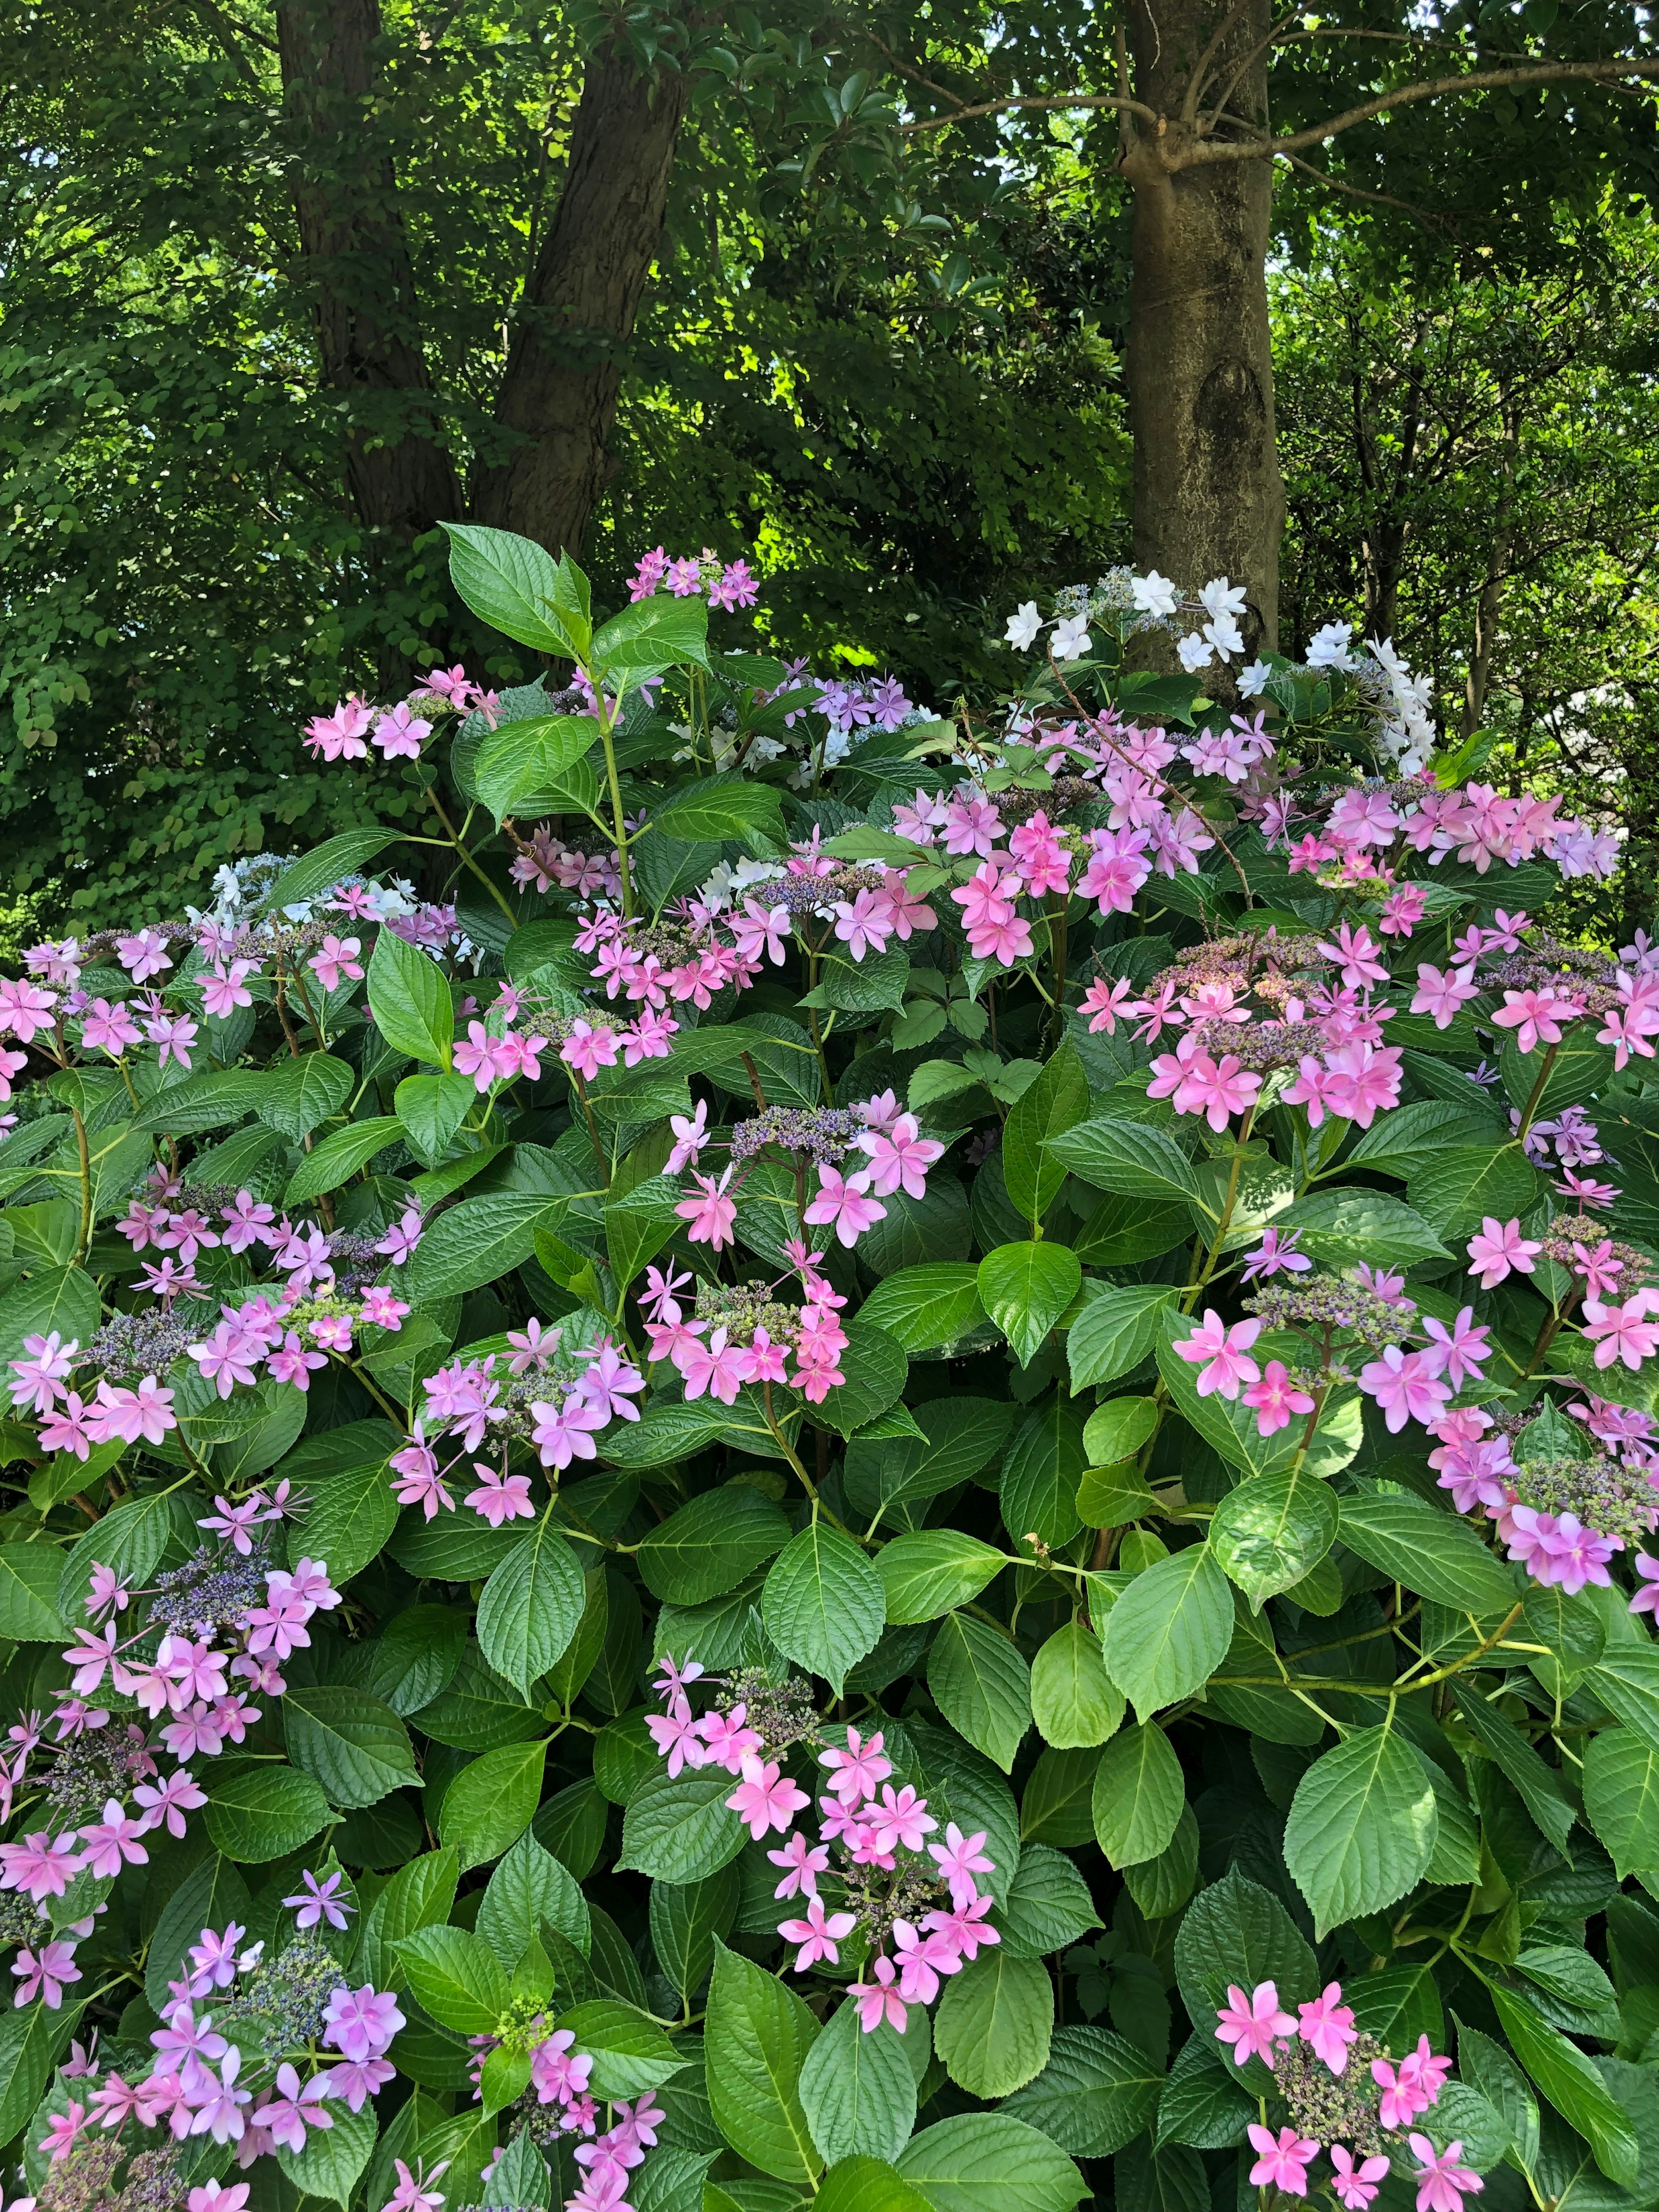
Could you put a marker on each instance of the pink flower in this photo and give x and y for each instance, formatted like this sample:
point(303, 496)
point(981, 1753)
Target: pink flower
point(62, 2129)
point(413, 2192)
point(1250, 2024)
point(293, 2109)
point(1498, 1247)
point(1328, 2026)
point(718, 1368)
point(501, 1497)
point(1105, 1000)
point(318, 1901)
point(1276, 1254)
point(334, 959)
point(360, 2023)
point(1460, 1351)
point(562, 1433)
point(816, 1934)
point(1405, 1386)
point(959, 1858)
point(146, 1411)
point(1223, 1354)
point(877, 2000)
point(1443, 993)
point(803, 1863)
point(1442, 2182)
point(1622, 1333)
point(113, 1842)
point(689, 1138)
point(1355, 2185)
point(713, 1214)
point(901, 1160)
point(844, 1201)
point(1355, 953)
point(766, 1798)
point(1284, 2160)
point(1273, 1398)
point(43, 1973)
point(588, 1050)
point(1534, 1016)
point(857, 1771)
point(1404, 2096)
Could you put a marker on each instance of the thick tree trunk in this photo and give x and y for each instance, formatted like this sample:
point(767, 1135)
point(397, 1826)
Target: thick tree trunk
point(354, 256)
point(558, 396)
point(1209, 499)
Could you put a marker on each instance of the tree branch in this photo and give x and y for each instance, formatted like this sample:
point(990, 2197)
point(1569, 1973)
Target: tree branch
point(1064, 100)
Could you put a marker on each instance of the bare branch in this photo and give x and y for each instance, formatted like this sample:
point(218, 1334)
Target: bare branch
point(1064, 99)
point(1355, 191)
point(1261, 146)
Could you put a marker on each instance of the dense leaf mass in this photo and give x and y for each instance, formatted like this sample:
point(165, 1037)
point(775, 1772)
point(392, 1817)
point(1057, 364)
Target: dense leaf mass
point(859, 1458)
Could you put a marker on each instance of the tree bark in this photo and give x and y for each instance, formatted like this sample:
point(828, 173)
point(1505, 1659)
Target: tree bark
point(1488, 606)
point(354, 256)
point(1209, 499)
point(565, 365)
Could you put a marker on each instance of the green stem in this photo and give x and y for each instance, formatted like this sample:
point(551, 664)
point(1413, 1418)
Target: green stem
point(467, 859)
point(85, 1238)
point(614, 782)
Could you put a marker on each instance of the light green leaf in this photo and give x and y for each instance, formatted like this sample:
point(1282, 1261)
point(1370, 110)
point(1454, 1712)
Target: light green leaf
point(529, 1608)
point(528, 1886)
point(1621, 1796)
point(933, 1571)
point(489, 1803)
point(1025, 1288)
point(1096, 2093)
point(1074, 1701)
point(1343, 1228)
point(263, 1812)
point(1056, 1101)
point(1269, 1532)
point(925, 1308)
point(1430, 1551)
point(990, 2162)
point(356, 1747)
point(1131, 1158)
point(339, 1157)
point(1169, 1631)
point(30, 1575)
point(822, 1602)
point(711, 1545)
point(858, 2091)
point(1362, 1828)
point(682, 1830)
point(1570, 2083)
point(993, 2023)
point(510, 582)
point(1114, 1331)
point(981, 1685)
point(455, 1976)
point(418, 1895)
point(1139, 1793)
point(334, 2157)
point(631, 2054)
point(1047, 1906)
point(757, 2037)
point(1040, 1475)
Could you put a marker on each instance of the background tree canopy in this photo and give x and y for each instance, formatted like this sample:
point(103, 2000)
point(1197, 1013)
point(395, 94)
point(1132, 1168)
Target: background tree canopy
point(851, 293)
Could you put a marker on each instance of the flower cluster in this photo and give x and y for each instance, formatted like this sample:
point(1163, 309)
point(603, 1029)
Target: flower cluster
point(1310, 2055)
point(871, 1849)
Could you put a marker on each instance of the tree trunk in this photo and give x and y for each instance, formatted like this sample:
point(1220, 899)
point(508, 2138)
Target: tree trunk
point(354, 256)
point(564, 368)
point(1488, 606)
point(1209, 499)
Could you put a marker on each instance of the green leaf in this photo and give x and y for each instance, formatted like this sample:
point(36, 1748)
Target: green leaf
point(263, 1812)
point(339, 1157)
point(687, 1920)
point(356, 1747)
point(1570, 2083)
point(1139, 1793)
point(1361, 1829)
point(1047, 1906)
point(30, 2041)
point(711, 1545)
point(1162, 1886)
point(719, 806)
point(430, 1110)
point(409, 999)
point(1202, 2103)
point(1621, 1796)
point(858, 2091)
point(328, 864)
point(655, 632)
point(529, 1609)
point(1096, 2093)
point(823, 1603)
point(1345, 1228)
point(876, 1370)
point(528, 1886)
point(855, 2185)
point(352, 1516)
point(1025, 1288)
point(1056, 1101)
point(455, 1976)
point(30, 1577)
point(1626, 1680)
point(1131, 1158)
point(1541, 1788)
point(1430, 1551)
point(62, 1298)
point(334, 2157)
point(1458, 1185)
point(1074, 1701)
point(478, 1242)
point(489, 1803)
point(521, 760)
point(682, 1830)
point(926, 1308)
point(1040, 1475)
point(510, 582)
point(933, 1571)
point(1117, 1430)
point(1169, 1631)
point(639, 1224)
point(631, 2054)
point(1113, 1332)
point(993, 2023)
point(981, 1685)
point(756, 2036)
point(1236, 1932)
point(303, 1093)
point(990, 2162)
point(418, 1895)
point(1269, 1532)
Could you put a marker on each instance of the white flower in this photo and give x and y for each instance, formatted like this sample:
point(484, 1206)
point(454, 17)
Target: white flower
point(1070, 637)
point(1154, 594)
point(1253, 680)
point(1220, 598)
point(1224, 636)
point(1329, 648)
point(1194, 653)
point(1023, 626)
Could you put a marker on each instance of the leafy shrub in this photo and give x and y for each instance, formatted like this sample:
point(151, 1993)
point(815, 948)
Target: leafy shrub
point(861, 1455)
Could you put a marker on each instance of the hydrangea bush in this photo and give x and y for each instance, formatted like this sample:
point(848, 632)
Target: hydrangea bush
point(834, 1456)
